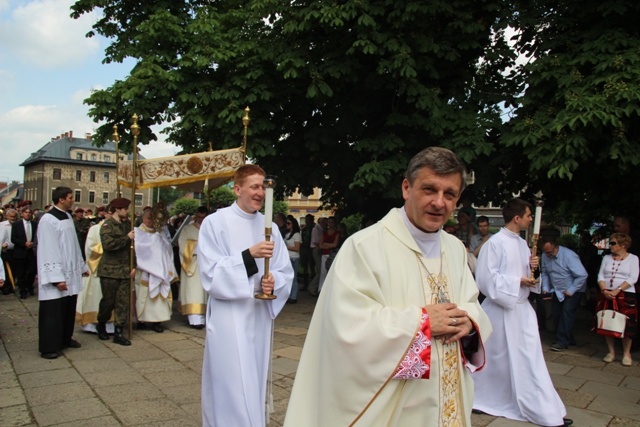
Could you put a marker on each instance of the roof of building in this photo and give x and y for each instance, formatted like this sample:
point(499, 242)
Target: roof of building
point(59, 150)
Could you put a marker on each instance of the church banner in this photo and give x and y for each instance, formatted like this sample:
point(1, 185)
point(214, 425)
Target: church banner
point(217, 167)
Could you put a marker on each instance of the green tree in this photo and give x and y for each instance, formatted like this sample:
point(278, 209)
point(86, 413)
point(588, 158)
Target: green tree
point(342, 94)
point(576, 122)
point(221, 196)
point(187, 206)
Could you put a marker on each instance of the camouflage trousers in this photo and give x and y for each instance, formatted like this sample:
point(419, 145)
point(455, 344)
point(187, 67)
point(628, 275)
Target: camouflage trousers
point(115, 297)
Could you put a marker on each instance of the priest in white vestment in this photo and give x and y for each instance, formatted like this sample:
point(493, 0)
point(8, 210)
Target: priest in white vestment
point(155, 271)
point(398, 327)
point(231, 253)
point(516, 383)
point(60, 271)
point(193, 298)
point(91, 293)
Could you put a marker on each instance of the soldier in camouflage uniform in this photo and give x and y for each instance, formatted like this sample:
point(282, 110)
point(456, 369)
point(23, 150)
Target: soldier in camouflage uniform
point(114, 270)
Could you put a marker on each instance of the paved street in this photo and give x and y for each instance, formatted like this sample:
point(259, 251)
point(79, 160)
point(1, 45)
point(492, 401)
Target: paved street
point(156, 381)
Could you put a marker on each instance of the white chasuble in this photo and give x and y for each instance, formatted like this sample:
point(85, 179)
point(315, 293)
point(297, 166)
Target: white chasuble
point(155, 272)
point(239, 326)
point(91, 293)
point(365, 322)
point(193, 298)
point(516, 382)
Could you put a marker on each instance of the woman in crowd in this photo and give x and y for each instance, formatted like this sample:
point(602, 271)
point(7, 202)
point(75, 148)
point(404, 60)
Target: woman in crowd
point(616, 278)
point(293, 240)
point(328, 242)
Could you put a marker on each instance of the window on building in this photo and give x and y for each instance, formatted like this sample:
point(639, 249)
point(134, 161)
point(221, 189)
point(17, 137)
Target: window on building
point(105, 198)
point(94, 157)
point(106, 177)
point(57, 173)
point(78, 156)
point(77, 195)
point(107, 158)
point(138, 199)
point(92, 176)
point(92, 196)
point(78, 175)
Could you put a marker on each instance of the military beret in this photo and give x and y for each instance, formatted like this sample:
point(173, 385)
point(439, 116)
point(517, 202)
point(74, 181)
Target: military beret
point(100, 209)
point(79, 210)
point(120, 203)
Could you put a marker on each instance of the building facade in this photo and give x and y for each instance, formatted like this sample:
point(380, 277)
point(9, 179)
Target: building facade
point(76, 163)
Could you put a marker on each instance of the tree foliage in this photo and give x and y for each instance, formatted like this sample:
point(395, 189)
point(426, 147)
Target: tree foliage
point(343, 93)
point(184, 205)
point(577, 121)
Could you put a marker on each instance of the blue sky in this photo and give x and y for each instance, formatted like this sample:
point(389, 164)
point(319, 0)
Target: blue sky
point(47, 68)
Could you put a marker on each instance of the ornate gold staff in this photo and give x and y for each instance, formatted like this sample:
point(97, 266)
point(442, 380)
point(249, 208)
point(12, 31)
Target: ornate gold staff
point(116, 138)
point(269, 184)
point(135, 131)
point(245, 122)
point(537, 219)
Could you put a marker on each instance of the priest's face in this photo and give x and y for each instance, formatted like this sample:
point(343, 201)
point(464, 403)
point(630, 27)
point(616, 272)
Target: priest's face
point(431, 198)
point(66, 203)
point(250, 193)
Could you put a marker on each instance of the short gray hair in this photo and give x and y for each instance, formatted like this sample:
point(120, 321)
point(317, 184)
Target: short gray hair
point(441, 160)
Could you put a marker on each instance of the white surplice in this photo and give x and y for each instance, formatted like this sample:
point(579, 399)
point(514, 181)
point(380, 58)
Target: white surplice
point(91, 293)
point(193, 298)
point(516, 382)
point(239, 326)
point(62, 264)
point(364, 323)
point(155, 271)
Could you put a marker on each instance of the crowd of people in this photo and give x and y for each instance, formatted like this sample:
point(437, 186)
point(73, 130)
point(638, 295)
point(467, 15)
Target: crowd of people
point(415, 323)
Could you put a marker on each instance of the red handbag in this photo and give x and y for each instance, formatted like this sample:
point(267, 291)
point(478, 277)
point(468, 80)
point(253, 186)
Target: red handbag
point(610, 322)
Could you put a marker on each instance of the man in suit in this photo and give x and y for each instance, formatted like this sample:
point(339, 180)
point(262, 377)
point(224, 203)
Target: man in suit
point(23, 236)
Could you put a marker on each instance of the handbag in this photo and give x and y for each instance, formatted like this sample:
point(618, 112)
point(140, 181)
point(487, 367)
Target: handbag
point(611, 323)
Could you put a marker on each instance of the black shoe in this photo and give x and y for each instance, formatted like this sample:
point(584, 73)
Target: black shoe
point(101, 329)
point(73, 344)
point(118, 338)
point(49, 356)
point(292, 301)
point(478, 411)
point(558, 347)
point(157, 327)
point(197, 326)
point(567, 422)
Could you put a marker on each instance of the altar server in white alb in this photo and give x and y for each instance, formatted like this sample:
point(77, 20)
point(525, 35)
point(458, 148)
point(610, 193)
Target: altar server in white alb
point(516, 383)
point(231, 254)
point(398, 327)
point(60, 271)
point(155, 270)
point(193, 298)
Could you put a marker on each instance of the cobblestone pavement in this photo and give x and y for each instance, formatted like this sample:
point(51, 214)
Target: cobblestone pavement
point(156, 381)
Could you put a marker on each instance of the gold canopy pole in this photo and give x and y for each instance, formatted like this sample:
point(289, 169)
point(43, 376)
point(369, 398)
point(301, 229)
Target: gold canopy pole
point(135, 131)
point(245, 122)
point(116, 138)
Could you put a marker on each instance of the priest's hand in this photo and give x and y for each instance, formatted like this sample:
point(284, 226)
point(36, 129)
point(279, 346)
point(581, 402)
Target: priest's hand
point(62, 286)
point(262, 250)
point(528, 282)
point(534, 261)
point(268, 283)
point(448, 322)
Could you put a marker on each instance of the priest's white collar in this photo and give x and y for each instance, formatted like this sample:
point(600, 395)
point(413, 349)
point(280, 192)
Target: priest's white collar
point(242, 214)
point(509, 232)
point(429, 243)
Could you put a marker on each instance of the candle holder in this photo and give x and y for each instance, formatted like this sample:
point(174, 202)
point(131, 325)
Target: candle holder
point(536, 232)
point(269, 183)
